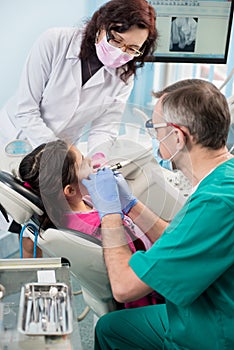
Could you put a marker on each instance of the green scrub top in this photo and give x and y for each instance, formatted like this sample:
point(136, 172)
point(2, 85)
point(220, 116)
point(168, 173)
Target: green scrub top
point(192, 266)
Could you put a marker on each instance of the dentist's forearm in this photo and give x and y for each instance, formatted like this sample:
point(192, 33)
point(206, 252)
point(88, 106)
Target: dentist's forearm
point(126, 286)
point(151, 224)
point(113, 234)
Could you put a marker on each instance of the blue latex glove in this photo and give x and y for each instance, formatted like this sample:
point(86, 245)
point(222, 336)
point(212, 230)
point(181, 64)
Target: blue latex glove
point(103, 190)
point(127, 199)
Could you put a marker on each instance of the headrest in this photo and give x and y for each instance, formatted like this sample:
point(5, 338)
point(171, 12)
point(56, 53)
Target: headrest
point(18, 186)
point(19, 202)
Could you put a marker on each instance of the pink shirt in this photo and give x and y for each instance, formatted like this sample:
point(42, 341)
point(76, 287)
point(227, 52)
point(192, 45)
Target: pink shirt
point(89, 223)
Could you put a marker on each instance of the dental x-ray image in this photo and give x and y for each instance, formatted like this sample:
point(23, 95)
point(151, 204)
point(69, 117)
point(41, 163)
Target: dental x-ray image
point(183, 34)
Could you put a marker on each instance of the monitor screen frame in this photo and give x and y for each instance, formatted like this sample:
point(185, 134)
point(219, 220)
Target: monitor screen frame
point(176, 58)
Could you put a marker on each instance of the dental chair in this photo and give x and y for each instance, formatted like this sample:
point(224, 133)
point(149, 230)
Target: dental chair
point(83, 252)
point(148, 182)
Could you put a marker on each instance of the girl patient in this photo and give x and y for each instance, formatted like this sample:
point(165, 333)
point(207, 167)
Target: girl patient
point(53, 172)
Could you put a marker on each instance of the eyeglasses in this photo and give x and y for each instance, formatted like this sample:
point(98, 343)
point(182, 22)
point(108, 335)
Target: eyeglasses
point(113, 41)
point(152, 128)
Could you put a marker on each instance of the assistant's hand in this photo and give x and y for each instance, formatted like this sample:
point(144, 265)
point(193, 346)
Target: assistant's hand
point(103, 190)
point(125, 194)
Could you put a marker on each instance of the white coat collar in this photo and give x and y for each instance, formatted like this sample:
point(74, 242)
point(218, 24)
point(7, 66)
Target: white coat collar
point(74, 47)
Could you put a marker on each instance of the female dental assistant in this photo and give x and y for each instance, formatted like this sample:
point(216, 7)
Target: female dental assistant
point(73, 77)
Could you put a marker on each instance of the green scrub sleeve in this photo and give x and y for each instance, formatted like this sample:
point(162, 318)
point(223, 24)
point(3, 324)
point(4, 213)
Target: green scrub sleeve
point(193, 252)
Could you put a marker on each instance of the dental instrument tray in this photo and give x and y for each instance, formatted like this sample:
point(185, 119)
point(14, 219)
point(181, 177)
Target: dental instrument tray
point(45, 309)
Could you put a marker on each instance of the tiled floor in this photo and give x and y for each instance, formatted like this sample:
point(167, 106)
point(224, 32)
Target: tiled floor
point(87, 325)
point(8, 244)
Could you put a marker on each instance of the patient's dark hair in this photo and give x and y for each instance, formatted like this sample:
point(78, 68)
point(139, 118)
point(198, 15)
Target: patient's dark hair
point(48, 169)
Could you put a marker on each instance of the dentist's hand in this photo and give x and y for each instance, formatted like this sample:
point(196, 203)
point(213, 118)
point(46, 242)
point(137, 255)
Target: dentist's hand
point(103, 190)
point(125, 194)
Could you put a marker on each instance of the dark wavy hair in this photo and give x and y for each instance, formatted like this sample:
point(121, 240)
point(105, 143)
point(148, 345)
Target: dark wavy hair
point(48, 169)
point(121, 15)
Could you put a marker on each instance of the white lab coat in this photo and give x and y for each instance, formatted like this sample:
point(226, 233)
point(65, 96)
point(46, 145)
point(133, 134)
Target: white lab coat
point(51, 101)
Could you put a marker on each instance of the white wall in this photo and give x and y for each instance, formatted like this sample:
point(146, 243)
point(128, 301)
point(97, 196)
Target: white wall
point(21, 22)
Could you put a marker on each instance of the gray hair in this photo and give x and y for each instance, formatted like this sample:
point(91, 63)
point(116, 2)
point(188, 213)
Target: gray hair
point(202, 108)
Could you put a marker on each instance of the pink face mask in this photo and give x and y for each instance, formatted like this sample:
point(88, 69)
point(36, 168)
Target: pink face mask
point(111, 56)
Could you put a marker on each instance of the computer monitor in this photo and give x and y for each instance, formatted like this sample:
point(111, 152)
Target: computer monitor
point(196, 31)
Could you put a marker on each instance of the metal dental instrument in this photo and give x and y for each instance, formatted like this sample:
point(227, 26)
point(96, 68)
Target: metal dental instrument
point(34, 304)
point(118, 166)
point(53, 292)
point(2, 291)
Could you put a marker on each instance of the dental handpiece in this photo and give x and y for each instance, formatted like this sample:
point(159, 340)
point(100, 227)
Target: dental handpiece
point(116, 166)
